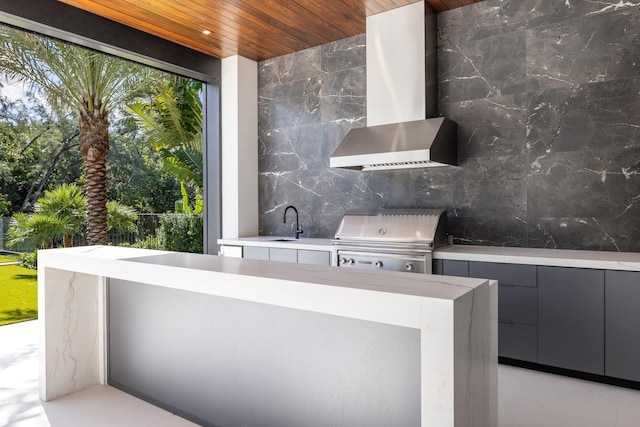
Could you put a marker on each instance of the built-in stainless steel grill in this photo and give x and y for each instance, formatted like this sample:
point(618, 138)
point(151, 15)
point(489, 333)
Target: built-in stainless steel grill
point(394, 240)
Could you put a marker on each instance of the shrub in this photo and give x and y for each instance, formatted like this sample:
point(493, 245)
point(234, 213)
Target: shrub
point(29, 260)
point(149, 242)
point(181, 233)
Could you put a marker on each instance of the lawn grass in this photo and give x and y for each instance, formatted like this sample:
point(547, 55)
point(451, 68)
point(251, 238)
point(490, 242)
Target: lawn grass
point(18, 294)
point(4, 258)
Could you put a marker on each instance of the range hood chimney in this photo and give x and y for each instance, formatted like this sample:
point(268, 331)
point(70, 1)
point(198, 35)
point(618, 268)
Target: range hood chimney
point(402, 97)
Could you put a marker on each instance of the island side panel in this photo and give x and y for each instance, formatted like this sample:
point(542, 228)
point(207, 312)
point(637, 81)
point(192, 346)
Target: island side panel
point(459, 364)
point(69, 305)
point(476, 358)
point(230, 362)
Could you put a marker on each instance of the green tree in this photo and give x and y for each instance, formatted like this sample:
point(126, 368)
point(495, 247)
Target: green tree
point(89, 83)
point(135, 176)
point(172, 123)
point(36, 230)
point(36, 152)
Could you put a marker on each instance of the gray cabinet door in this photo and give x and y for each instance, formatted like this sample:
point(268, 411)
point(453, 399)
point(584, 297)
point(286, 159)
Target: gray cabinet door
point(517, 341)
point(455, 268)
point(314, 257)
point(436, 266)
point(571, 318)
point(283, 255)
point(518, 304)
point(622, 311)
point(505, 274)
point(253, 252)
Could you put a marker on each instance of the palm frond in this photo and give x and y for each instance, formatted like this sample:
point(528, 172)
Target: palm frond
point(121, 217)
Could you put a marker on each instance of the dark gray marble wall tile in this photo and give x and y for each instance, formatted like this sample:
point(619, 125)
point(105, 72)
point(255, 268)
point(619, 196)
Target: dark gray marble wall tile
point(322, 197)
point(544, 12)
point(495, 230)
point(591, 49)
point(481, 21)
point(482, 69)
point(552, 164)
point(344, 94)
point(584, 184)
point(344, 54)
point(287, 68)
point(293, 148)
point(590, 116)
point(290, 104)
point(478, 187)
point(589, 233)
point(489, 126)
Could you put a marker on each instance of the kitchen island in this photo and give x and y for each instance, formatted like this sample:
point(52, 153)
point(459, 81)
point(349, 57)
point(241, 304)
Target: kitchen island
point(227, 341)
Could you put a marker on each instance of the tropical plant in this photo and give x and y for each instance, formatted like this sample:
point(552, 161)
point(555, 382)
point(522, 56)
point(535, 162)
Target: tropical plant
point(36, 230)
point(91, 84)
point(121, 218)
point(172, 123)
point(60, 214)
point(68, 205)
point(184, 204)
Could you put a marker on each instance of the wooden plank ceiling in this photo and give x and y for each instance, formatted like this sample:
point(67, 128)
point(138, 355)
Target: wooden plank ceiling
point(255, 29)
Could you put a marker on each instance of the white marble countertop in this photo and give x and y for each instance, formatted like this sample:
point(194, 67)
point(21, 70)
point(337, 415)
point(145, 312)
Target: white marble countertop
point(388, 297)
point(306, 243)
point(629, 261)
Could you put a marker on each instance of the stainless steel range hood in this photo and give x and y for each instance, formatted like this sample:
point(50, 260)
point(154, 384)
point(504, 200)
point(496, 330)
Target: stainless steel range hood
point(421, 143)
point(402, 91)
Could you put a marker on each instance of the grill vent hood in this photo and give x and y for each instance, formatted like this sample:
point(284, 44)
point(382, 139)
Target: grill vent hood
point(402, 102)
point(421, 143)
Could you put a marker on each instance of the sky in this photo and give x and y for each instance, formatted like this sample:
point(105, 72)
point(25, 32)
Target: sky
point(12, 91)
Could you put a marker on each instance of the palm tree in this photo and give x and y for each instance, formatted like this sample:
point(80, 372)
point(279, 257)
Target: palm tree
point(36, 230)
point(66, 203)
point(172, 123)
point(91, 84)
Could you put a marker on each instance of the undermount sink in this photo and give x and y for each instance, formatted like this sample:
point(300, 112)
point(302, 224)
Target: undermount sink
point(283, 240)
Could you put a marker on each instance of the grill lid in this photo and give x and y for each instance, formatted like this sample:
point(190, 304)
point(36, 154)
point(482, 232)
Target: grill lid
point(424, 226)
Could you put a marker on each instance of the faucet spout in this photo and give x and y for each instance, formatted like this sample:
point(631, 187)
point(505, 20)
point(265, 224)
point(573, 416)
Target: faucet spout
point(284, 219)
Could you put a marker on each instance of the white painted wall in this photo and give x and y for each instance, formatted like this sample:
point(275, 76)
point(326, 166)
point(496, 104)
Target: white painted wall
point(396, 65)
point(239, 116)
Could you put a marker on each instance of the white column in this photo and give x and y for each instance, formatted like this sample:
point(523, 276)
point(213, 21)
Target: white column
point(239, 112)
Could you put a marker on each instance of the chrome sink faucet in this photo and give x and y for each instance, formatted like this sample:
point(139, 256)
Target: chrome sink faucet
point(298, 228)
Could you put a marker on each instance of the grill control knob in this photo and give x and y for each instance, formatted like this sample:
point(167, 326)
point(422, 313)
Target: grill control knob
point(351, 261)
point(343, 261)
point(408, 266)
point(379, 264)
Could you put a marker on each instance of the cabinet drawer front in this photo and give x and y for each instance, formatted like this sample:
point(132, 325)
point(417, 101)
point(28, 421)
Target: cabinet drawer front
point(518, 341)
point(283, 255)
point(518, 304)
point(505, 274)
point(314, 257)
point(455, 268)
point(253, 252)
